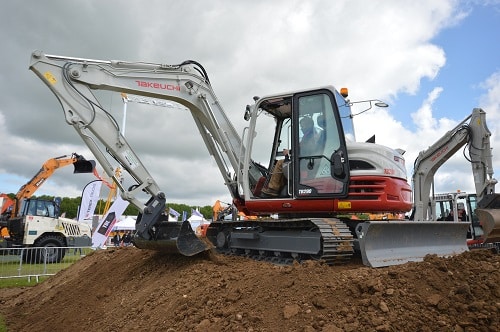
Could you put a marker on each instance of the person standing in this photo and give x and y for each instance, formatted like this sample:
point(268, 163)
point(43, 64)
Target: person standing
point(117, 239)
point(127, 239)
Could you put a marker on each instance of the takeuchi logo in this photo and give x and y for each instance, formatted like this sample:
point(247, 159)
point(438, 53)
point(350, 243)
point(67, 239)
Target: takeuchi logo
point(160, 86)
point(439, 153)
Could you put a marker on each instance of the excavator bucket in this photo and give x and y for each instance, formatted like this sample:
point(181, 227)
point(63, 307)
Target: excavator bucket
point(83, 166)
point(488, 213)
point(174, 237)
point(385, 243)
point(489, 219)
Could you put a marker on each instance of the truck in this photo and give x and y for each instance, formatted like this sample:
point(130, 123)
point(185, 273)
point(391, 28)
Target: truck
point(36, 225)
point(303, 221)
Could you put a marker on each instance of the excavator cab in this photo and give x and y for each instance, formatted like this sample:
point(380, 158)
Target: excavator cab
point(306, 152)
point(482, 215)
point(321, 172)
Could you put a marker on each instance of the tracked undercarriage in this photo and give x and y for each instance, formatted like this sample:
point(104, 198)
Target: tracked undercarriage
point(283, 242)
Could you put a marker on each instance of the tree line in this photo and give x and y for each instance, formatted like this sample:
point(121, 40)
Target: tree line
point(70, 206)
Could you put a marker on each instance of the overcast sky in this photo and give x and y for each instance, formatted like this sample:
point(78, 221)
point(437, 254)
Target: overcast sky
point(432, 61)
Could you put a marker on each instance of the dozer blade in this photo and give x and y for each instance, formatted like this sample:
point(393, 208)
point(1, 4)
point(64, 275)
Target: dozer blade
point(490, 222)
point(385, 243)
point(174, 237)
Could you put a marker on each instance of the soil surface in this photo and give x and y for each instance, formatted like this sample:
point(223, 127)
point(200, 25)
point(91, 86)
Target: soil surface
point(129, 289)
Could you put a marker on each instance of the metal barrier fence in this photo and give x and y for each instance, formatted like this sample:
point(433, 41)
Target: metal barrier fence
point(36, 262)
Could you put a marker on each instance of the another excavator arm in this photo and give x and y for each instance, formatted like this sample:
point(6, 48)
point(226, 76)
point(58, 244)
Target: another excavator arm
point(474, 133)
point(48, 168)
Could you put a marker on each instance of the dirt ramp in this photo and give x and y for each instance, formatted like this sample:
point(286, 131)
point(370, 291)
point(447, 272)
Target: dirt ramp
point(128, 289)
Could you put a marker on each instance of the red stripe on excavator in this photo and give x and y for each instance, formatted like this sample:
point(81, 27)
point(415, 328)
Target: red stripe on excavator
point(366, 194)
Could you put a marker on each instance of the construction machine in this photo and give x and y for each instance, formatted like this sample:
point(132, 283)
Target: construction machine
point(337, 177)
point(461, 206)
point(35, 222)
point(81, 165)
point(473, 134)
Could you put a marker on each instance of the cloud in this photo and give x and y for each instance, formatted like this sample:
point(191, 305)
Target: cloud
point(376, 48)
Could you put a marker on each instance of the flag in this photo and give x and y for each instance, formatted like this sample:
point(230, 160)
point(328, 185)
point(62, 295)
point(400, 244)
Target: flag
point(173, 212)
point(90, 197)
point(196, 213)
point(105, 226)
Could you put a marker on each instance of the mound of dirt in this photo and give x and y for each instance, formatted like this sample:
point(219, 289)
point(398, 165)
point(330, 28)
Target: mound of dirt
point(128, 289)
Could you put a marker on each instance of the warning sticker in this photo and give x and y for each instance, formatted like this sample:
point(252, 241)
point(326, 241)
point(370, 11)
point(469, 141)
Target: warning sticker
point(50, 78)
point(344, 205)
point(131, 159)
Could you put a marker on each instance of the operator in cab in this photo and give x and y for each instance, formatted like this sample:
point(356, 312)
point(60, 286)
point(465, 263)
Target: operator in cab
point(309, 145)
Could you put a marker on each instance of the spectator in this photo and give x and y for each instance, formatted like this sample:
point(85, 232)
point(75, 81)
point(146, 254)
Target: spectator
point(117, 239)
point(127, 239)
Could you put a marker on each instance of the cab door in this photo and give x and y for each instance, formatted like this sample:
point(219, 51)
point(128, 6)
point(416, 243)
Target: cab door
point(319, 154)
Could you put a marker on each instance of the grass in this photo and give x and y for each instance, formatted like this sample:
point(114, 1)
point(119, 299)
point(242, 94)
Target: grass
point(9, 266)
point(20, 271)
point(3, 327)
point(21, 282)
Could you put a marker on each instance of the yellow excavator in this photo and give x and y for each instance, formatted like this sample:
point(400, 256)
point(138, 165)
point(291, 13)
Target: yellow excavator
point(81, 165)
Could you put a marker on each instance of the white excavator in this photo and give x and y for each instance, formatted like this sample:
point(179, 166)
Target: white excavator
point(303, 220)
point(473, 134)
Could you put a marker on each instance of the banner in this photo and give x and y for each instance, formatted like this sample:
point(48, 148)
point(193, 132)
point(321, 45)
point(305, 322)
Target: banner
point(105, 226)
point(90, 197)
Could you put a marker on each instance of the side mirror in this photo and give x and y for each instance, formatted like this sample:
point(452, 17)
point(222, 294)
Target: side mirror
point(337, 167)
point(247, 113)
point(57, 206)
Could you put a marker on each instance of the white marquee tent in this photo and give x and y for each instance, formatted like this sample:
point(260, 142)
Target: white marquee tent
point(126, 223)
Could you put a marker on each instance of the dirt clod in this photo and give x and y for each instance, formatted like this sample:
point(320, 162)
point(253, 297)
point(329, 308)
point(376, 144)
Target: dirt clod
point(129, 289)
